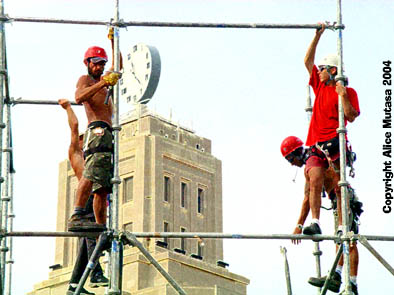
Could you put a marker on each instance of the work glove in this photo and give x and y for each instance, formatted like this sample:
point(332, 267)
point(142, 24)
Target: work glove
point(111, 79)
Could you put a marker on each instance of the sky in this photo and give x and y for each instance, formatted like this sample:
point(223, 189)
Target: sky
point(245, 89)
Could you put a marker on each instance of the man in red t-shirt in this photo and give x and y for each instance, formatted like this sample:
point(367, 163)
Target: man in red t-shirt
point(324, 122)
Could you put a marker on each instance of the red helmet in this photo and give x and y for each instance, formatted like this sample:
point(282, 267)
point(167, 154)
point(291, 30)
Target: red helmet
point(95, 51)
point(290, 144)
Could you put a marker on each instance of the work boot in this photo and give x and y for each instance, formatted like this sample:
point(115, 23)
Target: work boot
point(334, 284)
point(78, 223)
point(71, 291)
point(313, 229)
point(354, 288)
point(98, 280)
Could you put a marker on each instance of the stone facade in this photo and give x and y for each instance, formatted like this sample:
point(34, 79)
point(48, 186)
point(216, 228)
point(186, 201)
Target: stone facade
point(170, 182)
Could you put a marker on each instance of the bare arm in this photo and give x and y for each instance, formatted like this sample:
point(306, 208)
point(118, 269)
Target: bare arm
point(304, 212)
point(350, 113)
point(72, 121)
point(85, 90)
point(309, 59)
point(74, 151)
point(111, 37)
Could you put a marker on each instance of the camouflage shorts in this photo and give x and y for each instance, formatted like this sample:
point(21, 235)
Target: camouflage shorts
point(98, 165)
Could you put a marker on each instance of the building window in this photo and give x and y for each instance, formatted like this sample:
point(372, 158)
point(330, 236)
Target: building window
point(200, 249)
point(165, 229)
point(128, 184)
point(200, 200)
point(167, 187)
point(183, 195)
point(124, 90)
point(183, 240)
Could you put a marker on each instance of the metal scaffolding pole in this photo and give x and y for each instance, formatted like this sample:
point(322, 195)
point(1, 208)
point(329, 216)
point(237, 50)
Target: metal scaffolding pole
point(38, 102)
point(133, 241)
point(115, 258)
point(332, 270)
point(287, 270)
point(367, 245)
point(316, 252)
point(342, 149)
point(5, 197)
point(10, 260)
point(2, 125)
point(121, 23)
point(204, 235)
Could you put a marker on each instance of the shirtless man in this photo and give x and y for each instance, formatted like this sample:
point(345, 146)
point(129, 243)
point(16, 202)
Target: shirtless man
point(292, 149)
point(98, 147)
point(86, 245)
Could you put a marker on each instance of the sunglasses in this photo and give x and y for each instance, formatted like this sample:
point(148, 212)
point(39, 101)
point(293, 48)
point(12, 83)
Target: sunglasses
point(98, 60)
point(290, 157)
point(322, 68)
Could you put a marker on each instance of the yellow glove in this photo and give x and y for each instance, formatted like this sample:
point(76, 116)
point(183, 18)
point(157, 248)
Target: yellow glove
point(111, 33)
point(111, 79)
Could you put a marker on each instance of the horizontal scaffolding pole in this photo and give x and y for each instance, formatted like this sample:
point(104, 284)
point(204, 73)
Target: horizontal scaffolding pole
point(39, 102)
point(121, 24)
point(201, 235)
point(50, 234)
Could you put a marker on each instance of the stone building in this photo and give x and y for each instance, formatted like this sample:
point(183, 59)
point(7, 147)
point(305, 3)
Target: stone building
point(170, 182)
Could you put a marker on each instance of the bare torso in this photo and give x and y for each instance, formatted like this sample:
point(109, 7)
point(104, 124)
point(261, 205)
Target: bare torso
point(95, 108)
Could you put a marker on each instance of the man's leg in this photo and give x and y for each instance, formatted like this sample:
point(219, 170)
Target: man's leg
point(100, 206)
point(316, 179)
point(78, 221)
point(83, 192)
point(79, 268)
point(97, 278)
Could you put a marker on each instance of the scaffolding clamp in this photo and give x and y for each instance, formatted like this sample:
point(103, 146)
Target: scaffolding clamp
point(116, 128)
point(6, 198)
point(7, 150)
point(116, 180)
point(120, 23)
point(5, 18)
point(4, 249)
point(343, 183)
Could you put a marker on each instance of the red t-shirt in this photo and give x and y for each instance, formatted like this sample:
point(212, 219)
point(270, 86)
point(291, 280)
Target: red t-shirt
point(325, 122)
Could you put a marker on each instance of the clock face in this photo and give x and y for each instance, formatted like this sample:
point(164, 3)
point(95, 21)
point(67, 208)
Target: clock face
point(141, 74)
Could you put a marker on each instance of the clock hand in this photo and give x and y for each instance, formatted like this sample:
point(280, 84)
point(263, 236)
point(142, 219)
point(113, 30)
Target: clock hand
point(136, 78)
point(133, 72)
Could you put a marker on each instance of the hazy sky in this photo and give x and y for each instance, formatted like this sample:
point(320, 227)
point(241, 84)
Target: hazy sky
point(245, 89)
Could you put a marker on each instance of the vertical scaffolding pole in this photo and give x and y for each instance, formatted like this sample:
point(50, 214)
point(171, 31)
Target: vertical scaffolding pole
point(10, 260)
point(308, 108)
point(5, 197)
point(116, 264)
point(3, 72)
point(287, 270)
point(316, 252)
point(342, 149)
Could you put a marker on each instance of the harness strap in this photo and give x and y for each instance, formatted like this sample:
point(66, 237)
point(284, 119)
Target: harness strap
point(101, 124)
point(99, 149)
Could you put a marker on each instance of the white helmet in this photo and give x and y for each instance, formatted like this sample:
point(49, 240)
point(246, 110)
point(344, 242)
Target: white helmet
point(331, 60)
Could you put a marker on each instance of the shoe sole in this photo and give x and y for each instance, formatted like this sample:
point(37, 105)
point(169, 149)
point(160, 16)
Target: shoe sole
point(318, 283)
point(73, 292)
point(96, 285)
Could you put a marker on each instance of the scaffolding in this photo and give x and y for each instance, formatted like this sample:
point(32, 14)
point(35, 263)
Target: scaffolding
point(117, 237)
